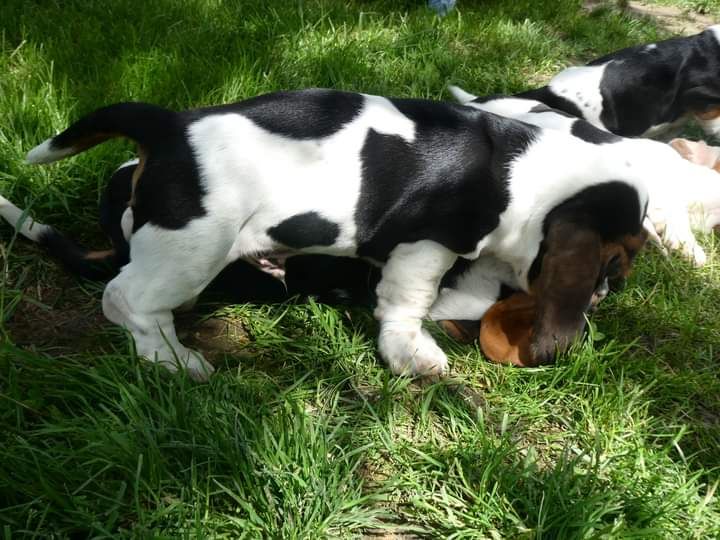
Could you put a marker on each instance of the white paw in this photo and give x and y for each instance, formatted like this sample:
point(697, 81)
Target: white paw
point(411, 351)
point(686, 245)
point(180, 357)
point(698, 256)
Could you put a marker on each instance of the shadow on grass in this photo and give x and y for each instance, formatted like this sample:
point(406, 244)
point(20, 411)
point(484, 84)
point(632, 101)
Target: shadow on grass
point(182, 54)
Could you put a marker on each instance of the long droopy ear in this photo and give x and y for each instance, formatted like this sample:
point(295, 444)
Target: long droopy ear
point(563, 289)
point(506, 330)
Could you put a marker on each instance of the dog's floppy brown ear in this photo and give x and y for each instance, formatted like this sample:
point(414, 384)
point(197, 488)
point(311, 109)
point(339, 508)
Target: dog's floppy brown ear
point(569, 272)
point(506, 330)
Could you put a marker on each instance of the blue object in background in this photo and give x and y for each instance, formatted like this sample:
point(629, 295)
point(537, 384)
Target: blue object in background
point(441, 7)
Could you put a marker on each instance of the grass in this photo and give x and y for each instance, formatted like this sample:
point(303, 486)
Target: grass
point(303, 433)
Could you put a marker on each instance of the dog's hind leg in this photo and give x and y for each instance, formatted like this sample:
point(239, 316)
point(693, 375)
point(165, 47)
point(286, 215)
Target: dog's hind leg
point(409, 286)
point(167, 268)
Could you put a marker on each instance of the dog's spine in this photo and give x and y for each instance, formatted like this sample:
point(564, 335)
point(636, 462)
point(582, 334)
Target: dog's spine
point(97, 265)
point(147, 125)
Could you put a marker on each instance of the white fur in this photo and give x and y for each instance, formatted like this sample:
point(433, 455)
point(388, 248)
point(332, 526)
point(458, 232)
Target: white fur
point(715, 29)
point(23, 223)
point(581, 85)
point(542, 178)
point(408, 287)
point(129, 163)
point(126, 223)
point(254, 179)
point(681, 193)
point(45, 153)
point(459, 94)
point(710, 126)
point(474, 292)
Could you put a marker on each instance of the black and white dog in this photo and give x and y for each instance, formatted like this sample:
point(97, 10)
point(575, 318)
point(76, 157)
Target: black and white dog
point(684, 195)
point(409, 184)
point(644, 91)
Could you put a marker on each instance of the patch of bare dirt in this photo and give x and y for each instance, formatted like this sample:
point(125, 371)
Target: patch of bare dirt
point(673, 19)
point(57, 315)
point(213, 336)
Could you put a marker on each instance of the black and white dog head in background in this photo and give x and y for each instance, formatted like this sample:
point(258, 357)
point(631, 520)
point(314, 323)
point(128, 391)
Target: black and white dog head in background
point(644, 91)
point(411, 185)
point(684, 194)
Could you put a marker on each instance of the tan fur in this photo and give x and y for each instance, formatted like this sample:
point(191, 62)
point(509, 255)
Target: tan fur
point(710, 114)
point(137, 173)
point(506, 330)
point(507, 327)
point(99, 255)
point(460, 332)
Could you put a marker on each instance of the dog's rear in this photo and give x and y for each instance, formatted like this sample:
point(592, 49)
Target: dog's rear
point(77, 259)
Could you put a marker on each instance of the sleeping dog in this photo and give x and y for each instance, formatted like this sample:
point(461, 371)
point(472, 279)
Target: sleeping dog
point(644, 91)
point(408, 184)
point(683, 194)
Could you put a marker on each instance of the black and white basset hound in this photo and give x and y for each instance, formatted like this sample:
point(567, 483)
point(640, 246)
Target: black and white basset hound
point(644, 91)
point(684, 195)
point(411, 185)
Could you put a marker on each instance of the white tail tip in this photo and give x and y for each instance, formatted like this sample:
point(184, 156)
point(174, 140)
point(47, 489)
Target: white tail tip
point(24, 224)
point(45, 153)
point(460, 95)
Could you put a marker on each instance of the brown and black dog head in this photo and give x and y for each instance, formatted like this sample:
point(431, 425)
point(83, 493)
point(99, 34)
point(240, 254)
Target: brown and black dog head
point(592, 236)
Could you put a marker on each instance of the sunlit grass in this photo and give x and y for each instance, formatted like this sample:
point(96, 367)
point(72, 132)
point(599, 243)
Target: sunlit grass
point(303, 432)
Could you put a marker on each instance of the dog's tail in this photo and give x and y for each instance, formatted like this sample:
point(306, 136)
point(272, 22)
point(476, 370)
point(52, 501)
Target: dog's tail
point(143, 123)
point(97, 265)
point(460, 95)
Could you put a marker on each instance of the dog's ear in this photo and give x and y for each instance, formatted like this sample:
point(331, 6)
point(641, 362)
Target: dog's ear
point(702, 100)
point(563, 289)
point(506, 330)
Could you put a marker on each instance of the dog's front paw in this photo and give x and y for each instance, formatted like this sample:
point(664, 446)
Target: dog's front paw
point(197, 367)
point(180, 357)
point(411, 351)
point(682, 240)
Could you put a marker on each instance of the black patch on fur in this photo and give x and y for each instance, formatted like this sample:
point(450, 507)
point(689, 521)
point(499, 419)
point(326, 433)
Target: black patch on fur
point(449, 185)
point(589, 133)
point(542, 108)
point(333, 280)
point(552, 100)
point(643, 88)
point(490, 97)
point(612, 209)
point(506, 291)
point(169, 193)
point(144, 123)
point(451, 277)
point(300, 114)
point(72, 257)
point(305, 230)
point(113, 203)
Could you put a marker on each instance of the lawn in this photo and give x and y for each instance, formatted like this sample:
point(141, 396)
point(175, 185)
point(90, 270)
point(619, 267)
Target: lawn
point(303, 432)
